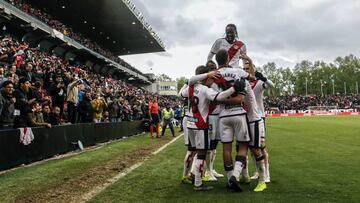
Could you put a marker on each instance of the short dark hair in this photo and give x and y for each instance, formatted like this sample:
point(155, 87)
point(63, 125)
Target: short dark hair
point(201, 69)
point(23, 80)
point(221, 57)
point(6, 83)
point(210, 62)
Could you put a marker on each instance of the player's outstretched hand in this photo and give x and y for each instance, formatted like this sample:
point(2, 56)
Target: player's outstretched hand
point(239, 85)
point(214, 75)
point(260, 76)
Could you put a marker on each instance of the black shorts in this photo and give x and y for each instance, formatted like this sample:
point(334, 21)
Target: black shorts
point(155, 118)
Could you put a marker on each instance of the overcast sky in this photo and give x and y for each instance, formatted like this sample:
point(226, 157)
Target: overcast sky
point(281, 31)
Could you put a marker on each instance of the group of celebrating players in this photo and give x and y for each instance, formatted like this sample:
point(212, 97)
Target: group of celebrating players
point(225, 103)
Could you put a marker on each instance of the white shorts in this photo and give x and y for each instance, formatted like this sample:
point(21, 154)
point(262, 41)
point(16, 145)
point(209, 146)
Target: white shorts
point(214, 127)
point(234, 126)
point(186, 136)
point(199, 138)
point(257, 132)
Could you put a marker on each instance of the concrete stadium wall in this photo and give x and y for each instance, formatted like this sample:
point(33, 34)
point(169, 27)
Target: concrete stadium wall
point(59, 140)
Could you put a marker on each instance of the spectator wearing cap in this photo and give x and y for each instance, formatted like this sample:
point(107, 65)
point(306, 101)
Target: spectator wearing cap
point(22, 103)
point(7, 105)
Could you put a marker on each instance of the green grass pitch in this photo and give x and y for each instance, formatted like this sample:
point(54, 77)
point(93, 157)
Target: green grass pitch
point(313, 159)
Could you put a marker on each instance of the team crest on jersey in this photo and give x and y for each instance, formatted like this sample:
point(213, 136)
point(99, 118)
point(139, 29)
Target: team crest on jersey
point(196, 91)
point(236, 47)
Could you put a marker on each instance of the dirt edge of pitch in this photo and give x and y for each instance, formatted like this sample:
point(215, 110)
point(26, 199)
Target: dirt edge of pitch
point(88, 196)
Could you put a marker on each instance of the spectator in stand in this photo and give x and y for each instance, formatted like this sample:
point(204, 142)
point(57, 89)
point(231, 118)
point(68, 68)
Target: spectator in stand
point(85, 109)
point(46, 111)
point(55, 117)
point(2, 76)
point(57, 92)
point(154, 117)
point(72, 99)
point(35, 117)
point(28, 73)
point(7, 107)
point(168, 116)
point(98, 104)
point(22, 104)
point(114, 108)
point(105, 118)
point(40, 94)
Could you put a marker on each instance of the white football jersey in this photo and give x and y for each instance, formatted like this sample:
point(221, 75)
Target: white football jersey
point(227, 79)
point(250, 104)
point(200, 97)
point(214, 108)
point(234, 50)
point(259, 87)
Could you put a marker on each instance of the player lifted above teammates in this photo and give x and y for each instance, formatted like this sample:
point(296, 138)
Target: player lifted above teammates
point(235, 48)
point(199, 99)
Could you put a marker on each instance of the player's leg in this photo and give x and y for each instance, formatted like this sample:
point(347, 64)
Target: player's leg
point(257, 132)
point(214, 145)
point(227, 135)
point(202, 140)
point(243, 138)
point(212, 130)
point(265, 154)
point(188, 163)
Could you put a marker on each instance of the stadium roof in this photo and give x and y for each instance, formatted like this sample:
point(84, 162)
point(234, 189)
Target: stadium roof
point(114, 24)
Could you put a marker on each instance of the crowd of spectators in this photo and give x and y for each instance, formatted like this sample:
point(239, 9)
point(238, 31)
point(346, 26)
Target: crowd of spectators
point(39, 89)
point(68, 31)
point(301, 103)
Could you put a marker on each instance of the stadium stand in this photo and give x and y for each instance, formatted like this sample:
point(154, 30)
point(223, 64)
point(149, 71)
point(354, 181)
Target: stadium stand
point(302, 103)
point(50, 74)
point(88, 94)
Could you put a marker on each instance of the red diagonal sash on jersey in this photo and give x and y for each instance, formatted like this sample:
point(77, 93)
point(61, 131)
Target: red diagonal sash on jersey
point(200, 123)
point(234, 49)
point(253, 84)
point(224, 85)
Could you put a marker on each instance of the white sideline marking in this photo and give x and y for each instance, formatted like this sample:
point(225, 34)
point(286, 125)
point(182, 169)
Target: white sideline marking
point(88, 196)
point(167, 144)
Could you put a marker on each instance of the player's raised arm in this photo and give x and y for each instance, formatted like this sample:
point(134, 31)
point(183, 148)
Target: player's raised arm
point(267, 82)
point(181, 90)
point(184, 92)
point(215, 47)
point(196, 78)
